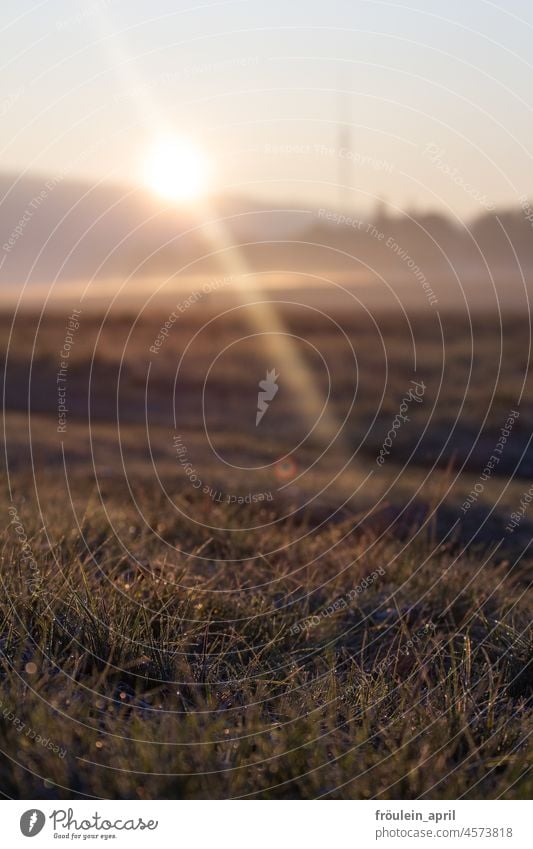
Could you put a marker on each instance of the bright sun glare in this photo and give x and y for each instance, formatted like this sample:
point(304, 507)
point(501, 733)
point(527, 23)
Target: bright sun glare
point(177, 170)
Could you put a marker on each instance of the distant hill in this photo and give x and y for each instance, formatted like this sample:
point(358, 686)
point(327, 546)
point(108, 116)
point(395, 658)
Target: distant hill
point(67, 229)
point(64, 230)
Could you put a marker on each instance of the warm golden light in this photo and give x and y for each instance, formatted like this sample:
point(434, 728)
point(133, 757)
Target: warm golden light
point(177, 170)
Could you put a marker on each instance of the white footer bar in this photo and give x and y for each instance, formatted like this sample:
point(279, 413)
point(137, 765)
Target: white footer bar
point(263, 825)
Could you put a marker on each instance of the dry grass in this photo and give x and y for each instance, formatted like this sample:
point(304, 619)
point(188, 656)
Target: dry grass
point(164, 676)
point(166, 649)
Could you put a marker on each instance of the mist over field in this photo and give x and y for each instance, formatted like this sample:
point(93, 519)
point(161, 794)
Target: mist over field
point(124, 240)
point(265, 334)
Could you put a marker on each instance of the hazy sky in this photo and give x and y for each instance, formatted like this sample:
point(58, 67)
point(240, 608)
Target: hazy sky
point(87, 87)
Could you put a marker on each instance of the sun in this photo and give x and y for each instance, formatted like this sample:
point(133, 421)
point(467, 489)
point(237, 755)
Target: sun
point(177, 170)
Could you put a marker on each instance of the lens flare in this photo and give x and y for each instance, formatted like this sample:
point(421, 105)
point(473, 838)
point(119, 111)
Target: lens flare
point(177, 170)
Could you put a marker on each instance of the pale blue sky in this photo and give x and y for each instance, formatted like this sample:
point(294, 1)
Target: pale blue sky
point(88, 86)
